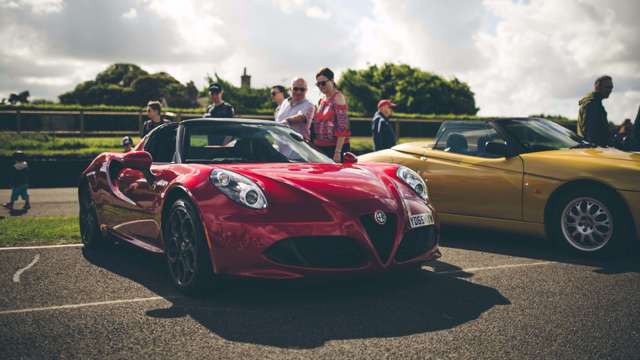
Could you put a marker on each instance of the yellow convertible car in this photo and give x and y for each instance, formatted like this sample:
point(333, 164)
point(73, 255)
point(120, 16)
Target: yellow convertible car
point(531, 176)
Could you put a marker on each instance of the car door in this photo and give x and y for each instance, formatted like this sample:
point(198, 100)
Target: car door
point(465, 179)
point(142, 192)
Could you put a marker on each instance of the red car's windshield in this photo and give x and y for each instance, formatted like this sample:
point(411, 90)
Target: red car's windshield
point(246, 143)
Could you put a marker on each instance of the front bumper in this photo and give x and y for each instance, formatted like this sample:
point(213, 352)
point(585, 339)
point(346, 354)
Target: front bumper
point(348, 241)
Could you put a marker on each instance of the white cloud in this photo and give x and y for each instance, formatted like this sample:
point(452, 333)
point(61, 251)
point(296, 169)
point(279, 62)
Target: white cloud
point(36, 6)
point(544, 55)
point(130, 14)
point(289, 6)
point(520, 57)
point(316, 12)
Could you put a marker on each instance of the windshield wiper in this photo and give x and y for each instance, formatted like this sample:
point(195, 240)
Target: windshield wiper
point(583, 145)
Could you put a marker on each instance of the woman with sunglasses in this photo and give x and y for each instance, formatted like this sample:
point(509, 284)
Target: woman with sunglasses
point(296, 111)
point(331, 122)
point(277, 96)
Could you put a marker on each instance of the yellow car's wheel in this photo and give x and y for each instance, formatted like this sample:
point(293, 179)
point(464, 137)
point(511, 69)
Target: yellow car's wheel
point(589, 221)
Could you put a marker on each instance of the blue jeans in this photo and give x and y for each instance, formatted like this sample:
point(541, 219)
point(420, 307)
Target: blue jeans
point(20, 191)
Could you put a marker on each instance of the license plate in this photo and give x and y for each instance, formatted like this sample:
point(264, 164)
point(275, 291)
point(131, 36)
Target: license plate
point(421, 220)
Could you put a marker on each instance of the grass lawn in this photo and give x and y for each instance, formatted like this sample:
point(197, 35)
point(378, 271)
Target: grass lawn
point(34, 230)
point(45, 144)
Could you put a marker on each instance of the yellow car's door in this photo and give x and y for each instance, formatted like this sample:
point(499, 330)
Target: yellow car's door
point(466, 178)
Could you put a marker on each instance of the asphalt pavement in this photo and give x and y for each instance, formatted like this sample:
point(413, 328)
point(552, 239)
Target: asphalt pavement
point(44, 202)
point(490, 296)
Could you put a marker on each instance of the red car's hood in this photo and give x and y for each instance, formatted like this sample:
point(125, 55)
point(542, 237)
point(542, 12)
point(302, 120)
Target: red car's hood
point(332, 182)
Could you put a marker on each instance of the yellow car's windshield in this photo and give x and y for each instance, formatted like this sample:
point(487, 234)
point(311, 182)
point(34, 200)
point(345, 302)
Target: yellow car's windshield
point(541, 135)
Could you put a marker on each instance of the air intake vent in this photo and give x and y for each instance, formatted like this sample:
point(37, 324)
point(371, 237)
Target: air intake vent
point(317, 252)
point(416, 242)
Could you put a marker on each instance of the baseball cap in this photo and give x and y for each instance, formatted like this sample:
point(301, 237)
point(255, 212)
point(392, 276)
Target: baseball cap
point(386, 102)
point(127, 141)
point(215, 87)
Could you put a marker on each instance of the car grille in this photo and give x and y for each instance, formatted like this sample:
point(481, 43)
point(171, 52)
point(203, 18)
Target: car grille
point(317, 252)
point(416, 242)
point(381, 236)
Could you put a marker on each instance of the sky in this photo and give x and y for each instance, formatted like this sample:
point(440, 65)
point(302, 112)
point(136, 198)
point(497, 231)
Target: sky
point(520, 57)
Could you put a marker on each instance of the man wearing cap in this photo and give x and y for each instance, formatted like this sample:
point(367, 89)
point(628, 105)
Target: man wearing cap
point(219, 108)
point(381, 129)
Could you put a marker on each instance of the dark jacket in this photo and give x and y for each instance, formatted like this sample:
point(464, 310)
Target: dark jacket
point(19, 174)
point(382, 131)
point(224, 110)
point(636, 127)
point(150, 125)
point(593, 125)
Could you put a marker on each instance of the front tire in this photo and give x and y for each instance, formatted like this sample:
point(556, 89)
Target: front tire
point(90, 233)
point(186, 250)
point(589, 221)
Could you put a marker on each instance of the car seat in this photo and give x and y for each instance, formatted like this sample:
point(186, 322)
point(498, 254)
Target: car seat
point(457, 143)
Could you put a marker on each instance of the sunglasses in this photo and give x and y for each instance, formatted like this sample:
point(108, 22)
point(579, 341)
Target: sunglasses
point(322, 83)
point(274, 93)
point(301, 89)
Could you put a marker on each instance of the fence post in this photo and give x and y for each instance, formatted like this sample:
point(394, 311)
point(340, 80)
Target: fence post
point(81, 123)
point(140, 124)
point(397, 129)
point(18, 121)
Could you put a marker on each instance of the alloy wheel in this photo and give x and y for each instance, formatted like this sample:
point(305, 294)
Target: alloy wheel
point(587, 224)
point(181, 247)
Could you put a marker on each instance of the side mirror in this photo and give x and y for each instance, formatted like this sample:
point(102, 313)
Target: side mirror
point(139, 160)
point(349, 158)
point(498, 148)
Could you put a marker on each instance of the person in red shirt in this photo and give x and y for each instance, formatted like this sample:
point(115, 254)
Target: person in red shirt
point(331, 123)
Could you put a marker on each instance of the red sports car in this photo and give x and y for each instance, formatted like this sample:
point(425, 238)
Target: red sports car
point(251, 198)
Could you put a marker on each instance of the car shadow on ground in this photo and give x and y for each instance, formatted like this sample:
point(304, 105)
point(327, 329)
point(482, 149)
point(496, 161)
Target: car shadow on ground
point(306, 314)
point(519, 245)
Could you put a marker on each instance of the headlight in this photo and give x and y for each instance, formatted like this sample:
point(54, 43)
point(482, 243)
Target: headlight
point(414, 181)
point(239, 188)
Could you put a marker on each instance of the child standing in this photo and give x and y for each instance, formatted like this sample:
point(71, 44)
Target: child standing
point(19, 179)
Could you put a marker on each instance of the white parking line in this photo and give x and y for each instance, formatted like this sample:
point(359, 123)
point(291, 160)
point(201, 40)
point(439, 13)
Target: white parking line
point(39, 247)
point(497, 267)
point(76, 306)
point(16, 276)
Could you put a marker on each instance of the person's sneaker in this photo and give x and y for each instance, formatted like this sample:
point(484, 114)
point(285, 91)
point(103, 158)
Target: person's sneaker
point(26, 207)
point(8, 206)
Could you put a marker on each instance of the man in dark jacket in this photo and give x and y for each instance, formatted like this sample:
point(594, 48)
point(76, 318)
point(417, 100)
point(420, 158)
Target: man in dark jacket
point(219, 108)
point(593, 125)
point(381, 129)
point(636, 126)
point(154, 112)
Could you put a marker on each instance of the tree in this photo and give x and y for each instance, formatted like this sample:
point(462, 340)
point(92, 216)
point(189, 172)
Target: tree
point(414, 90)
point(128, 84)
point(22, 98)
point(120, 74)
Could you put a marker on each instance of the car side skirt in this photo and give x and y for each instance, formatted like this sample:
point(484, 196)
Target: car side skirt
point(528, 228)
point(632, 198)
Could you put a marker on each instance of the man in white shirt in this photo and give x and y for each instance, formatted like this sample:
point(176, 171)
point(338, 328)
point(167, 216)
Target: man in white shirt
point(296, 111)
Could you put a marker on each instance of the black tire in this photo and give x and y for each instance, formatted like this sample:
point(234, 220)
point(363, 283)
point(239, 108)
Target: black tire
point(186, 250)
point(90, 233)
point(590, 221)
